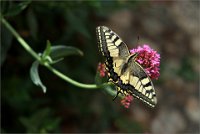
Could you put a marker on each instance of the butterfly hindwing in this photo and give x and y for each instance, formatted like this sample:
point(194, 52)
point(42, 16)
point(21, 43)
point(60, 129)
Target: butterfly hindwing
point(139, 84)
point(125, 72)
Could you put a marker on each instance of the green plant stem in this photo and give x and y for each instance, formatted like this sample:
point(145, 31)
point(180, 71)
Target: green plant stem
point(20, 40)
point(37, 57)
point(64, 77)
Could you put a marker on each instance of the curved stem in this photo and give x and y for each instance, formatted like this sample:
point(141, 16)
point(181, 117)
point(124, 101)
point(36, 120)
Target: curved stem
point(20, 40)
point(37, 57)
point(64, 77)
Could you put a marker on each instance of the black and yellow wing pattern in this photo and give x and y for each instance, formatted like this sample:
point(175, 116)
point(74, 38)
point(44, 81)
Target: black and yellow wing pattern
point(128, 75)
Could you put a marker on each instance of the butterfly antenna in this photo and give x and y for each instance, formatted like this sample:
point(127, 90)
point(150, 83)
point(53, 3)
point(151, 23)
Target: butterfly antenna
point(138, 39)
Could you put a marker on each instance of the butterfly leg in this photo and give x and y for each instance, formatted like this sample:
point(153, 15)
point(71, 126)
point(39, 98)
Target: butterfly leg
point(118, 91)
point(132, 56)
point(116, 95)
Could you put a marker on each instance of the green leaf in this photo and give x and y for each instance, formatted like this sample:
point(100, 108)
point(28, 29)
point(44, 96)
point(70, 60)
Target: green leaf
point(77, 24)
point(100, 80)
point(35, 76)
point(47, 51)
point(53, 124)
point(42, 120)
point(14, 8)
point(6, 39)
point(61, 51)
point(94, 4)
point(110, 89)
point(32, 23)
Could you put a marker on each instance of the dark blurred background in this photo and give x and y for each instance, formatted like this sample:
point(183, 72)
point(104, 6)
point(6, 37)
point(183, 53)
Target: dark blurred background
point(171, 28)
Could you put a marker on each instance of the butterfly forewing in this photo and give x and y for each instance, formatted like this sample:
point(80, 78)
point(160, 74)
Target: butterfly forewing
point(110, 43)
point(122, 68)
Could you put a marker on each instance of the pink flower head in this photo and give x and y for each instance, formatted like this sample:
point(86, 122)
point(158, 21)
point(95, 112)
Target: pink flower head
point(149, 60)
point(102, 70)
point(126, 101)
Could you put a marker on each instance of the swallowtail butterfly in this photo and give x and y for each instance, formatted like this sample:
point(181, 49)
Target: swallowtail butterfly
point(128, 75)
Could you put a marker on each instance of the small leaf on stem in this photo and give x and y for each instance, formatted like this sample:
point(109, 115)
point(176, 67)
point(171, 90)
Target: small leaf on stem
point(10, 8)
point(61, 51)
point(47, 51)
point(35, 76)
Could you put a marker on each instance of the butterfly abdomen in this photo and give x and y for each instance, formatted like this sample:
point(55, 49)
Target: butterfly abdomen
point(110, 70)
